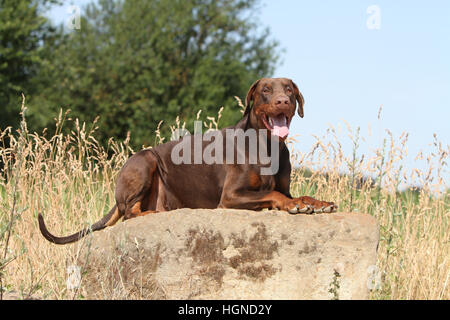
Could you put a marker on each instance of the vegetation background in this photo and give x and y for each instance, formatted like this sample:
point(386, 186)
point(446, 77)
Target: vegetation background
point(135, 63)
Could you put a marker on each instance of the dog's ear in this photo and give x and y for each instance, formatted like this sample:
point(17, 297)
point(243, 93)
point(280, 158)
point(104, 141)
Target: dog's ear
point(299, 98)
point(249, 98)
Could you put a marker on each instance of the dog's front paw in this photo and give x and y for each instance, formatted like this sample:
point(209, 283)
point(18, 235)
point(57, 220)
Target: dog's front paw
point(308, 205)
point(320, 206)
point(329, 207)
point(295, 206)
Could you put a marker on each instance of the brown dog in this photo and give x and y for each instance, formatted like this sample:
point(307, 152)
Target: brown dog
point(151, 182)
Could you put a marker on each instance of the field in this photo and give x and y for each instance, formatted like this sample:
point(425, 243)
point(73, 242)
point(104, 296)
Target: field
point(70, 179)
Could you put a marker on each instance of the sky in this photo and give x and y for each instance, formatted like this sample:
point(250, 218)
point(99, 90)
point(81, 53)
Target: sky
point(351, 57)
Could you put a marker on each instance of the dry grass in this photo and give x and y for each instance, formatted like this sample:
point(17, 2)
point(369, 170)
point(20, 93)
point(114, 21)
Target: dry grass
point(413, 254)
point(71, 178)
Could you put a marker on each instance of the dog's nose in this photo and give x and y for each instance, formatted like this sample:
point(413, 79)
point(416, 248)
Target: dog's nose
point(282, 101)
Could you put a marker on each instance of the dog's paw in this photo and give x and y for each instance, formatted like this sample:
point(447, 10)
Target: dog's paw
point(295, 207)
point(308, 205)
point(330, 209)
point(326, 209)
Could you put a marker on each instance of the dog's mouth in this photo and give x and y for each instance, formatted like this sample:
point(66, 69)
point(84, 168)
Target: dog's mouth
point(277, 125)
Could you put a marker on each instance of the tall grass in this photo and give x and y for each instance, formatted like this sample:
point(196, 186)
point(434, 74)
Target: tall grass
point(70, 178)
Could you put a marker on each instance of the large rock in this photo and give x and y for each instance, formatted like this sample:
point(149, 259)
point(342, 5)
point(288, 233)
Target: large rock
point(232, 254)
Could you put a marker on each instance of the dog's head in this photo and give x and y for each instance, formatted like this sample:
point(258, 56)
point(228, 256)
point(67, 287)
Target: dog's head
point(274, 103)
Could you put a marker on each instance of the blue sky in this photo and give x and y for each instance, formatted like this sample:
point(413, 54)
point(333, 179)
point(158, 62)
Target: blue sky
point(346, 70)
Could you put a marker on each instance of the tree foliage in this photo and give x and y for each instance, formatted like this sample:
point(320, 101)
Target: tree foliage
point(22, 30)
point(136, 62)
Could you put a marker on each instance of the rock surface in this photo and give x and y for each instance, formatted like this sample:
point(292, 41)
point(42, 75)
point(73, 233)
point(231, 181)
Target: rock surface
point(231, 254)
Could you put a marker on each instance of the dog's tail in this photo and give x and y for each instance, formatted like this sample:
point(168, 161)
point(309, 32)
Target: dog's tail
point(108, 220)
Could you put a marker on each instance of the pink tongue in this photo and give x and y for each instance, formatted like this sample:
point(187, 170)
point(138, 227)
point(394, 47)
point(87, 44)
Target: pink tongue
point(280, 127)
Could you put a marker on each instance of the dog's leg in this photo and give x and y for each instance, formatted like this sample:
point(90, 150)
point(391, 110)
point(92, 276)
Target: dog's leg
point(134, 184)
point(136, 211)
point(254, 200)
point(245, 190)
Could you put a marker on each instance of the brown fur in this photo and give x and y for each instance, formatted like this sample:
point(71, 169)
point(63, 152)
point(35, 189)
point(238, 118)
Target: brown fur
point(150, 182)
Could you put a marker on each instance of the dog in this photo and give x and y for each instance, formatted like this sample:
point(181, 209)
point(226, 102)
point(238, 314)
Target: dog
point(151, 181)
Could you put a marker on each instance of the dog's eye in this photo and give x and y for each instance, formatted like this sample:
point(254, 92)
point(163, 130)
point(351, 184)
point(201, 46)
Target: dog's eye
point(288, 90)
point(266, 90)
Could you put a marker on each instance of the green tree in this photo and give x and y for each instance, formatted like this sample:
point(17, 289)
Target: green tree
point(23, 28)
point(136, 62)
